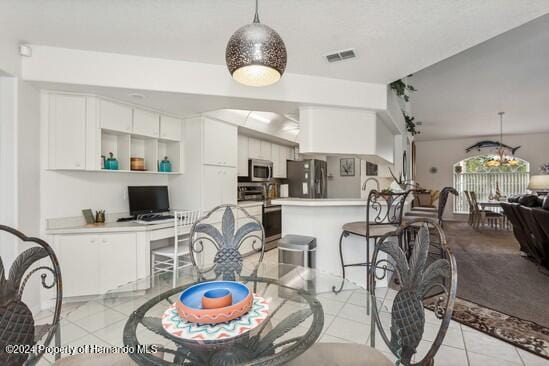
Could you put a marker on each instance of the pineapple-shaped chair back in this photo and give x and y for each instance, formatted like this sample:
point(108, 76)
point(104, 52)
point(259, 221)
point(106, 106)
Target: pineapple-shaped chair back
point(421, 279)
point(227, 242)
point(16, 321)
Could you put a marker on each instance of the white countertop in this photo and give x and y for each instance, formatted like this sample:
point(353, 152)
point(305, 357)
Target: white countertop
point(73, 225)
point(319, 202)
point(109, 227)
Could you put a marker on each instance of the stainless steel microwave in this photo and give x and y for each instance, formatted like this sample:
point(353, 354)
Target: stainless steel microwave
point(260, 170)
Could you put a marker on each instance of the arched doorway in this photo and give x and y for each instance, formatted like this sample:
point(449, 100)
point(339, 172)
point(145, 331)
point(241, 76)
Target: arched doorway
point(472, 174)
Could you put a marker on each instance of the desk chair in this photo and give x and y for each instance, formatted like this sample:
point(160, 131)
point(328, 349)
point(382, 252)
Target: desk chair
point(172, 258)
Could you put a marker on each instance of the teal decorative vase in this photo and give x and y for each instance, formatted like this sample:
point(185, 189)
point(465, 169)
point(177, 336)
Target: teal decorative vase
point(111, 163)
point(165, 166)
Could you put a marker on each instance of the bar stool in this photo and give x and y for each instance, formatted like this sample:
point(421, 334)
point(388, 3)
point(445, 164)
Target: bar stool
point(384, 211)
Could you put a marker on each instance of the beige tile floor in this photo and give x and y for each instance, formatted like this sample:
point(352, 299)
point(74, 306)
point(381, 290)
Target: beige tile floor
point(345, 321)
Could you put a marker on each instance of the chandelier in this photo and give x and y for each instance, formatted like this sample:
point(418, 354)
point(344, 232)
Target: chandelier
point(255, 54)
point(504, 156)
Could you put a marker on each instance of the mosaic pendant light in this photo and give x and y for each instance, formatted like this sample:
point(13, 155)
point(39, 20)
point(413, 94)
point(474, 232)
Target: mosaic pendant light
point(255, 54)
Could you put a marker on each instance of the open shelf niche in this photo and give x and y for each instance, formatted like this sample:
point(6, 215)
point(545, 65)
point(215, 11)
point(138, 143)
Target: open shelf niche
point(125, 146)
point(171, 149)
point(119, 145)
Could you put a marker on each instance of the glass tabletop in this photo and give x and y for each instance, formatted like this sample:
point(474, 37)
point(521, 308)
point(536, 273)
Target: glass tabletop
point(301, 305)
point(293, 321)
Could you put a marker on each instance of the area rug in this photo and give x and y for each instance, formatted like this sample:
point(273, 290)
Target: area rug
point(523, 334)
point(499, 292)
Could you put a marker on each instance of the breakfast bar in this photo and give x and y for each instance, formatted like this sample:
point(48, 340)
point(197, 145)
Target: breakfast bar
point(323, 219)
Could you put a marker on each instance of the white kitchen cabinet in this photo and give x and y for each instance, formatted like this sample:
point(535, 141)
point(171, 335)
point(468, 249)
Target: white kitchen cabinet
point(282, 164)
point(220, 143)
point(266, 153)
point(290, 153)
point(67, 132)
point(117, 260)
point(254, 148)
point(275, 157)
point(279, 157)
point(146, 123)
point(259, 149)
point(96, 263)
point(219, 186)
point(115, 116)
point(170, 128)
point(242, 163)
point(78, 258)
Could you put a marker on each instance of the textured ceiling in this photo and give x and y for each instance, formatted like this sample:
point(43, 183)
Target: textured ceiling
point(461, 96)
point(392, 37)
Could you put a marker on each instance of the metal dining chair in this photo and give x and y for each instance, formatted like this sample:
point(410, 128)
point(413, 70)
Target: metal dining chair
point(221, 236)
point(17, 324)
point(422, 283)
point(433, 212)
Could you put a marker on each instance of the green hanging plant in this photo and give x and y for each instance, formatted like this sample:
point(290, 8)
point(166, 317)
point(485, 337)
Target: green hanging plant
point(410, 124)
point(400, 87)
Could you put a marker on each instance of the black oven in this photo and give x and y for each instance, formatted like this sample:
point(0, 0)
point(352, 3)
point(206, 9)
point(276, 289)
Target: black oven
point(272, 223)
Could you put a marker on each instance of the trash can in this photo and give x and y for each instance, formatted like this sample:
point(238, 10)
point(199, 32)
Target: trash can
point(296, 255)
point(297, 250)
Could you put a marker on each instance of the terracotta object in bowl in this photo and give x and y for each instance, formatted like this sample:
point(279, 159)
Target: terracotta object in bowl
point(217, 298)
point(189, 305)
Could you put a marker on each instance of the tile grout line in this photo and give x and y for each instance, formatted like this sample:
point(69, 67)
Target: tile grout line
point(465, 346)
point(520, 357)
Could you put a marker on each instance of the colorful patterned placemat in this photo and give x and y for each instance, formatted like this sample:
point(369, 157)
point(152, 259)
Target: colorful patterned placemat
point(183, 329)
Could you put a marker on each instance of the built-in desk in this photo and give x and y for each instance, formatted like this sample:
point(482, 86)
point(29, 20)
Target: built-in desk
point(98, 258)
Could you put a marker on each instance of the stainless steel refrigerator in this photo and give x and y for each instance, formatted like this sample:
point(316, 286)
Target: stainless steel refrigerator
point(307, 178)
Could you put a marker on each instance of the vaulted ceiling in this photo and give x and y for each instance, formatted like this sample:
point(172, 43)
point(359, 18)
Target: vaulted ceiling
point(461, 96)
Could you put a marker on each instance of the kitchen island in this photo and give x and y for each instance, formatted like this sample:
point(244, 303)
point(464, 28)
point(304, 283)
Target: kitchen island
point(323, 219)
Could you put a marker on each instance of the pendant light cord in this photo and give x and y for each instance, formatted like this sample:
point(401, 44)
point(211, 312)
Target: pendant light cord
point(256, 16)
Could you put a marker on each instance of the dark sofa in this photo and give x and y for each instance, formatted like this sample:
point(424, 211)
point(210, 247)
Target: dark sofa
point(529, 215)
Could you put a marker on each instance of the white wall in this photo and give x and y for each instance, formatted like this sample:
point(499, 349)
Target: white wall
point(10, 61)
point(66, 194)
point(8, 165)
point(28, 156)
point(443, 154)
point(342, 186)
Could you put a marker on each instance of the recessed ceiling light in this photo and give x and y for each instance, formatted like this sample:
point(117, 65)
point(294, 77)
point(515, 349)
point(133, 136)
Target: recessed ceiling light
point(137, 95)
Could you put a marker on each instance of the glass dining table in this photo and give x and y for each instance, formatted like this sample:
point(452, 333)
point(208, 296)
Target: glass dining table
point(300, 305)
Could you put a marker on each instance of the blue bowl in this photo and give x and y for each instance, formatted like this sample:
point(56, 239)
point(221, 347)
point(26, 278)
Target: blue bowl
point(192, 296)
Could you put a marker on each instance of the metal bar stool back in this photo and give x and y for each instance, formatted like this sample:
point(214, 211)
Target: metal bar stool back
point(384, 212)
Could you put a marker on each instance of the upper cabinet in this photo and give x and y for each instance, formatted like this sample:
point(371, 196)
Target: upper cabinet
point(170, 128)
point(259, 149)
point(220, 143)
point(83, 130)
point(115, 116)
point(266, 153)
point(67, 121)
point(146, 123)
point(242, 156)
point(254, 148)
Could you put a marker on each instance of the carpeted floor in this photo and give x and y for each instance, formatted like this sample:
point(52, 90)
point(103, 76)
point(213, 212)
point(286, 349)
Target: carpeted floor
point(492, 273)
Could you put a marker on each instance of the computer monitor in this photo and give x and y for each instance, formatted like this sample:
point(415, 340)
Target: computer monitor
point(148, 199)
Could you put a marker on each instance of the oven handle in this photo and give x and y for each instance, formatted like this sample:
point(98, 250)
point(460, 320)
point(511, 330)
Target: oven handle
point(272, 209)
